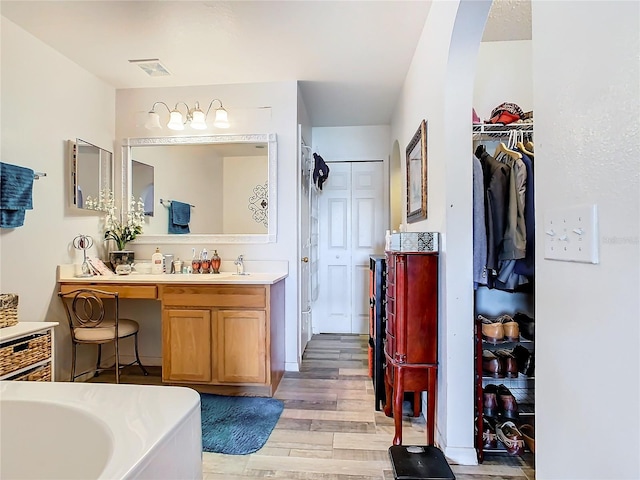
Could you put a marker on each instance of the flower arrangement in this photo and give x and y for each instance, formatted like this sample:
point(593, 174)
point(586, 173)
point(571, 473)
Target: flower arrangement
point(121, 229)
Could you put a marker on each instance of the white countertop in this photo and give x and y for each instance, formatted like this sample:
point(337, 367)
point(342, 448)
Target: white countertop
point(66, 275)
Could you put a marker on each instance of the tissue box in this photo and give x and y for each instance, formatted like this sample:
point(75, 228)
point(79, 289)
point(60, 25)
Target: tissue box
point(414, 242)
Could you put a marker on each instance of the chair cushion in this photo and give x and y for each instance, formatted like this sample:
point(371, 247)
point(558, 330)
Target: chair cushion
point(105, 331)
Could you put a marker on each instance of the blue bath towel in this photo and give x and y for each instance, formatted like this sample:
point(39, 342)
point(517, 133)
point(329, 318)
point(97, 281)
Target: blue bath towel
point(179, 217)
point(16, 188)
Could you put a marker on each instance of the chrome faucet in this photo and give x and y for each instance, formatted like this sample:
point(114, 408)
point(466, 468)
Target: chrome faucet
point(239, 263)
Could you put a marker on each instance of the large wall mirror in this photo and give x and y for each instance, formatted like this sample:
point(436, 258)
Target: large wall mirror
point(227, 183)
point(91, 173)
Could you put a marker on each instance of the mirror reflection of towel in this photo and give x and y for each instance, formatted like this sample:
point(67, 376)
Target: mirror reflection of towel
point(179, 217)
point(16, 189)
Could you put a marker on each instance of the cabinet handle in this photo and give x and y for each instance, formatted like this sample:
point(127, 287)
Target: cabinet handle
point(21, 347)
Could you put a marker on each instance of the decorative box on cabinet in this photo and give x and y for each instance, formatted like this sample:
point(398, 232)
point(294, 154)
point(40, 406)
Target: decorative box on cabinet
point(26, 351)
point(411, 341)
point(377, 302)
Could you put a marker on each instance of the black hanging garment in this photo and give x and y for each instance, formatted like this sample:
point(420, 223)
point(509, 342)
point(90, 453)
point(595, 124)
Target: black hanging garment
point(320, 172)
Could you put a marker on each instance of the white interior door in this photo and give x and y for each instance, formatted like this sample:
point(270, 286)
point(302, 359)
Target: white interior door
point(305, 222)
point(351, 215)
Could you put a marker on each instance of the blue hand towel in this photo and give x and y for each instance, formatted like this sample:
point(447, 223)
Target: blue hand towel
point(16, 188)
point(179, 217)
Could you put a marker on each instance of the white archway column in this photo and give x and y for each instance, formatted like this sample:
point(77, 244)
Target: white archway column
point(457, 307)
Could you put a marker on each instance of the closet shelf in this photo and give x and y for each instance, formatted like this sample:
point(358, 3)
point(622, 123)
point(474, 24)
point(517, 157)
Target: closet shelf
point(499, 130)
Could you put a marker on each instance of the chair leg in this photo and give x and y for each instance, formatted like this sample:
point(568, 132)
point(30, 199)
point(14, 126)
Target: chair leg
point(73, 362)
point(144, 370)
point(117, 361)
point(98, 361)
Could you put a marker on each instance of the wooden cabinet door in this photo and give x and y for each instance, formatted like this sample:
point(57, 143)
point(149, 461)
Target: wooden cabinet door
point(241, 347)
point(186, 345)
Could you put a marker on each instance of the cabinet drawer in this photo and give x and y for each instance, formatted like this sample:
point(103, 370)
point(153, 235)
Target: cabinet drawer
point(124, 291)
point(214, 296)
point(25, 351)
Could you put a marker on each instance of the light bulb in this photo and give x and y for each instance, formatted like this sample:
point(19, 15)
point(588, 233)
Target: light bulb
point(175, 121)
point(197, 120)
point(221, 120)
point(153, 121)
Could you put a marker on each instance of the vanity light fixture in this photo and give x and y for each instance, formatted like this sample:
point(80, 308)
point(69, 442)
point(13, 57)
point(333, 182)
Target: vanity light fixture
point(195, 117)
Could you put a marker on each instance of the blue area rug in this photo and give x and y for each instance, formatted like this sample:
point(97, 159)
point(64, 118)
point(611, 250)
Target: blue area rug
point(237, 425)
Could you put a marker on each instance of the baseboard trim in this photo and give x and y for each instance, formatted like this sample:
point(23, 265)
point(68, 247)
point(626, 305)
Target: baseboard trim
point(291, 367)
point(461, 455)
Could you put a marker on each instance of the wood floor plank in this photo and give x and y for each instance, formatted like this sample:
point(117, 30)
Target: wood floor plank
point(318, 466)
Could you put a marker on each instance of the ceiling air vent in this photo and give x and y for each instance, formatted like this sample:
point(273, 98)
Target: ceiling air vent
point(152, 67)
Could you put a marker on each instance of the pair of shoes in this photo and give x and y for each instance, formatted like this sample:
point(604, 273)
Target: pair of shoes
point(499, 401)
point(502, 328)
point(525, 360)
point(527, 325)
point(508, 362)
point(499, 364)
point(509, 434)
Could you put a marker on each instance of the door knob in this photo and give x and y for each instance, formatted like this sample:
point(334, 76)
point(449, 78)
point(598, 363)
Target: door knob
point(305, 259)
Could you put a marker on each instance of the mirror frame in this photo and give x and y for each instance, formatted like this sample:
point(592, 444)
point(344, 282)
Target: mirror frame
point(168, 239)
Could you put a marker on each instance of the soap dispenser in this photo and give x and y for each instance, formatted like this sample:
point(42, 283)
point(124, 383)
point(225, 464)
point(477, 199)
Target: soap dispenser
point(205, 263)
point(157, 262)
point(215, 262)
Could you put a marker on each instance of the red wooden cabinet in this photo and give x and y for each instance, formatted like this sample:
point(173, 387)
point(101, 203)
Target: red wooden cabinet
point(411, 344)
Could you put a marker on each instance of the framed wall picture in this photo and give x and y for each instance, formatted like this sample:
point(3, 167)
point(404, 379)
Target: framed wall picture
point(417, 175)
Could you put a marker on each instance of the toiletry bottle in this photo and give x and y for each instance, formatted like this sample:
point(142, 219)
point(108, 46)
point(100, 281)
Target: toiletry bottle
point(195, 262)
point(157, 262)
point(205, 263)
point(215, 262)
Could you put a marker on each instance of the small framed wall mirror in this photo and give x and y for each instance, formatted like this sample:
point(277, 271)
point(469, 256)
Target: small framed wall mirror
point(91, 174)
point(227, 182)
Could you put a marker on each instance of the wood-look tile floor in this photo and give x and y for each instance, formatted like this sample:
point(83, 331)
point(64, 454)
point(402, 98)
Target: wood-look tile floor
point(330, 430)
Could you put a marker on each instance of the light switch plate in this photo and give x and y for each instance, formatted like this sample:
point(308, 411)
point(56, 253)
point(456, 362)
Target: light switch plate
point(571, 234)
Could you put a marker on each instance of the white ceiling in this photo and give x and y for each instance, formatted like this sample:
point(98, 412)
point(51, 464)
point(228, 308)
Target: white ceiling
point(351, 57)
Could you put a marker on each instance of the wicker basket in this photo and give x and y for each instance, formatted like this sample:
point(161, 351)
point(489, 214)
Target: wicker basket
point(24, 352)
point(8, 309)
point(40, 374)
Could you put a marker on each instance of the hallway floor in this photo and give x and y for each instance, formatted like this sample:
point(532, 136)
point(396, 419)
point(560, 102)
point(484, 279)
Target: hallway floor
point(329, 429)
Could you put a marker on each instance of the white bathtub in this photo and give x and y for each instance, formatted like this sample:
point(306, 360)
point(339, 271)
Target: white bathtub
point(52, 430)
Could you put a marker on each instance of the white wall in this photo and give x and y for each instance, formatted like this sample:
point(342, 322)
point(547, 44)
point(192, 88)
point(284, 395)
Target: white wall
point(341, 144)
point(47, 100)
point(587, 112)
point(503, 74)
point(247, 114)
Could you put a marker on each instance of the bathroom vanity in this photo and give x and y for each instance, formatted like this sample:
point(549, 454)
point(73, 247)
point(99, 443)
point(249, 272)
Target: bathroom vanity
point(220, 333)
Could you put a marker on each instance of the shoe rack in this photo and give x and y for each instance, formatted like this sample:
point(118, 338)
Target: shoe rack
point(518, 384)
